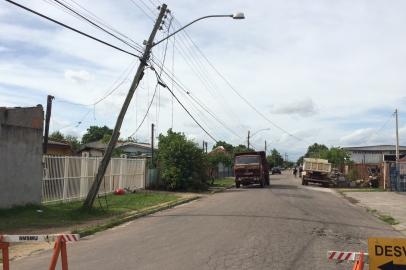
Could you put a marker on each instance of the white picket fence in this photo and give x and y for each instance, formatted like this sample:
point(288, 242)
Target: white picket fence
point(69, 178)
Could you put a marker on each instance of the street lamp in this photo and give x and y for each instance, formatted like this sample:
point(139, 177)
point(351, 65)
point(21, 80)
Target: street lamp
point(235, 16)
point(256, 132)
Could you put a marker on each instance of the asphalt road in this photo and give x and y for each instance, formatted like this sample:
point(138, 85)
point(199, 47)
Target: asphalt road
point(286, 226)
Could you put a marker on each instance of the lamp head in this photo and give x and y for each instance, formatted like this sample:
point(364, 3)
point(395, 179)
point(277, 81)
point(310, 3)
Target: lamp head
point(238, 16)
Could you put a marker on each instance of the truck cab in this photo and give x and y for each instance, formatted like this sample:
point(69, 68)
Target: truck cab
point(251, 168)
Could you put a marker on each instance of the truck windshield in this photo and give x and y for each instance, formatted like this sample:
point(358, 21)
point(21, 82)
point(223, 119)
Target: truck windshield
point(246, 159)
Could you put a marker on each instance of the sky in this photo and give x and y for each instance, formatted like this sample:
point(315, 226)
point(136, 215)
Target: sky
point(330, 72)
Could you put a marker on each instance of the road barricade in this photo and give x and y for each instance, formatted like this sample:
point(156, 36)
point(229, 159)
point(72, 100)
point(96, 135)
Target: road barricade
point(359, 258)
point(59, 247)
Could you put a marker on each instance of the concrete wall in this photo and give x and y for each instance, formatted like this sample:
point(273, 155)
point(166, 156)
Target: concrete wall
point(21, 132)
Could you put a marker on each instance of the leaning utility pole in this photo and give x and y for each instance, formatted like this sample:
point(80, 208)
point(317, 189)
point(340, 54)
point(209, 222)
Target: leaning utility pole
point(47, 119)
point(91, 196)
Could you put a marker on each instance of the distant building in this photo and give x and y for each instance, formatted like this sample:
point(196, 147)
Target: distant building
point(379, 159)
point(372, 154)
point(131, 149)
point(56, 148)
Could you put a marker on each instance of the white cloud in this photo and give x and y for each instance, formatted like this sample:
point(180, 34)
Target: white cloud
point(358, 137)
point(78, 76)
point(304, 107)
point(353, 49)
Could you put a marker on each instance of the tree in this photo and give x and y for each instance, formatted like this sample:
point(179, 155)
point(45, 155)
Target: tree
point(73, 142)
point(316, 150)
point(57, 136)
point(335, 155)
point(275, 158)
point(242, 148)
point(183, 165)
point(95, 133)
point(228, 147)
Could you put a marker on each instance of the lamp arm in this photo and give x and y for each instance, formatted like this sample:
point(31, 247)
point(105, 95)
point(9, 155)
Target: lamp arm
point(180, 29)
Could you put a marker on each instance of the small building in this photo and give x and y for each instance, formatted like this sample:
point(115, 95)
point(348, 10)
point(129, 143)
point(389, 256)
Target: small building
point(95, 149)
point(130, 149)
point(56, 148)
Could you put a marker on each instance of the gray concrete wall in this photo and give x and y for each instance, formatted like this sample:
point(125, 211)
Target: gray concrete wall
point(21, 132)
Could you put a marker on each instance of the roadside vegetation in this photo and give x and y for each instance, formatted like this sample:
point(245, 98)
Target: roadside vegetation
point(384, 217)
point(33, 217)
point(223, 182)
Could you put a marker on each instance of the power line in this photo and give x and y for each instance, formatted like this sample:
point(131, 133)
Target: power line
point(238, 94)
point(181, 104)
point(143, 11)
point(105, 24)
point(71, 28)
point(198, 68)
point(196, 100)
point(96, 25)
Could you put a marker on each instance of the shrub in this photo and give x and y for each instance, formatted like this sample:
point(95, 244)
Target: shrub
point(182, 164)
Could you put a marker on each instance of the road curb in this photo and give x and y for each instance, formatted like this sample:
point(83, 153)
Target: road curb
point(217, 190)
point(134, 215)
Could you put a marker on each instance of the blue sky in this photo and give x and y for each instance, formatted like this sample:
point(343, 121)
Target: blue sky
point(330, 72)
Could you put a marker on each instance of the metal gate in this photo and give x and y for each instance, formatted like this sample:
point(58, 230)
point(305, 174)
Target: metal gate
point(398, 183)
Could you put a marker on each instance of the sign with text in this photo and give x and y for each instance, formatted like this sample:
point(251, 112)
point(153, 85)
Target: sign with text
point(387, 253)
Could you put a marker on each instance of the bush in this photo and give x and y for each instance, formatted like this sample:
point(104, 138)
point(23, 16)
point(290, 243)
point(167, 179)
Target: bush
point(182, 164)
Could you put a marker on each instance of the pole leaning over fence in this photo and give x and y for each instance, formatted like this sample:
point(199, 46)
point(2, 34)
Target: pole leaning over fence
point(88, 203)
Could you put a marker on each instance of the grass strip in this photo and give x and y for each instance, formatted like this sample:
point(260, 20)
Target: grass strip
point(360, 190)
point(223, 182)
point(70, 213)
point(384, 217)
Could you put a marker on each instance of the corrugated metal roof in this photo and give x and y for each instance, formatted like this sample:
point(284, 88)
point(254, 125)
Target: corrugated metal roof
point(374, 148)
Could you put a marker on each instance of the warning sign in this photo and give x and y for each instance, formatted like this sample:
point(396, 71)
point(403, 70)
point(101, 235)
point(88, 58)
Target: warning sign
point(387, 253)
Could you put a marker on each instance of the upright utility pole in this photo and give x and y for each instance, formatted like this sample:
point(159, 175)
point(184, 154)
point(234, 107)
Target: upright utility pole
point(397, 136)
point(248, 140)
point(152, 145)
point(47, 119)
point(205, 144)
point(88, 203)
point(265, 147)
point(397, 150)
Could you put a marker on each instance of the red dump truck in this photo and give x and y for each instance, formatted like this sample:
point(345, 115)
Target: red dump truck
point(251, 168)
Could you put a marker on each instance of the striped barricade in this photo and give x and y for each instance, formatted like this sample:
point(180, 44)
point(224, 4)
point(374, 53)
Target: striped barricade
point(59, 248)
point(360, 258)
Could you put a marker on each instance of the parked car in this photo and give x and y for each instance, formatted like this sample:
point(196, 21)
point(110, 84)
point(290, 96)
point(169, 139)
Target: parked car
point(276, 170)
